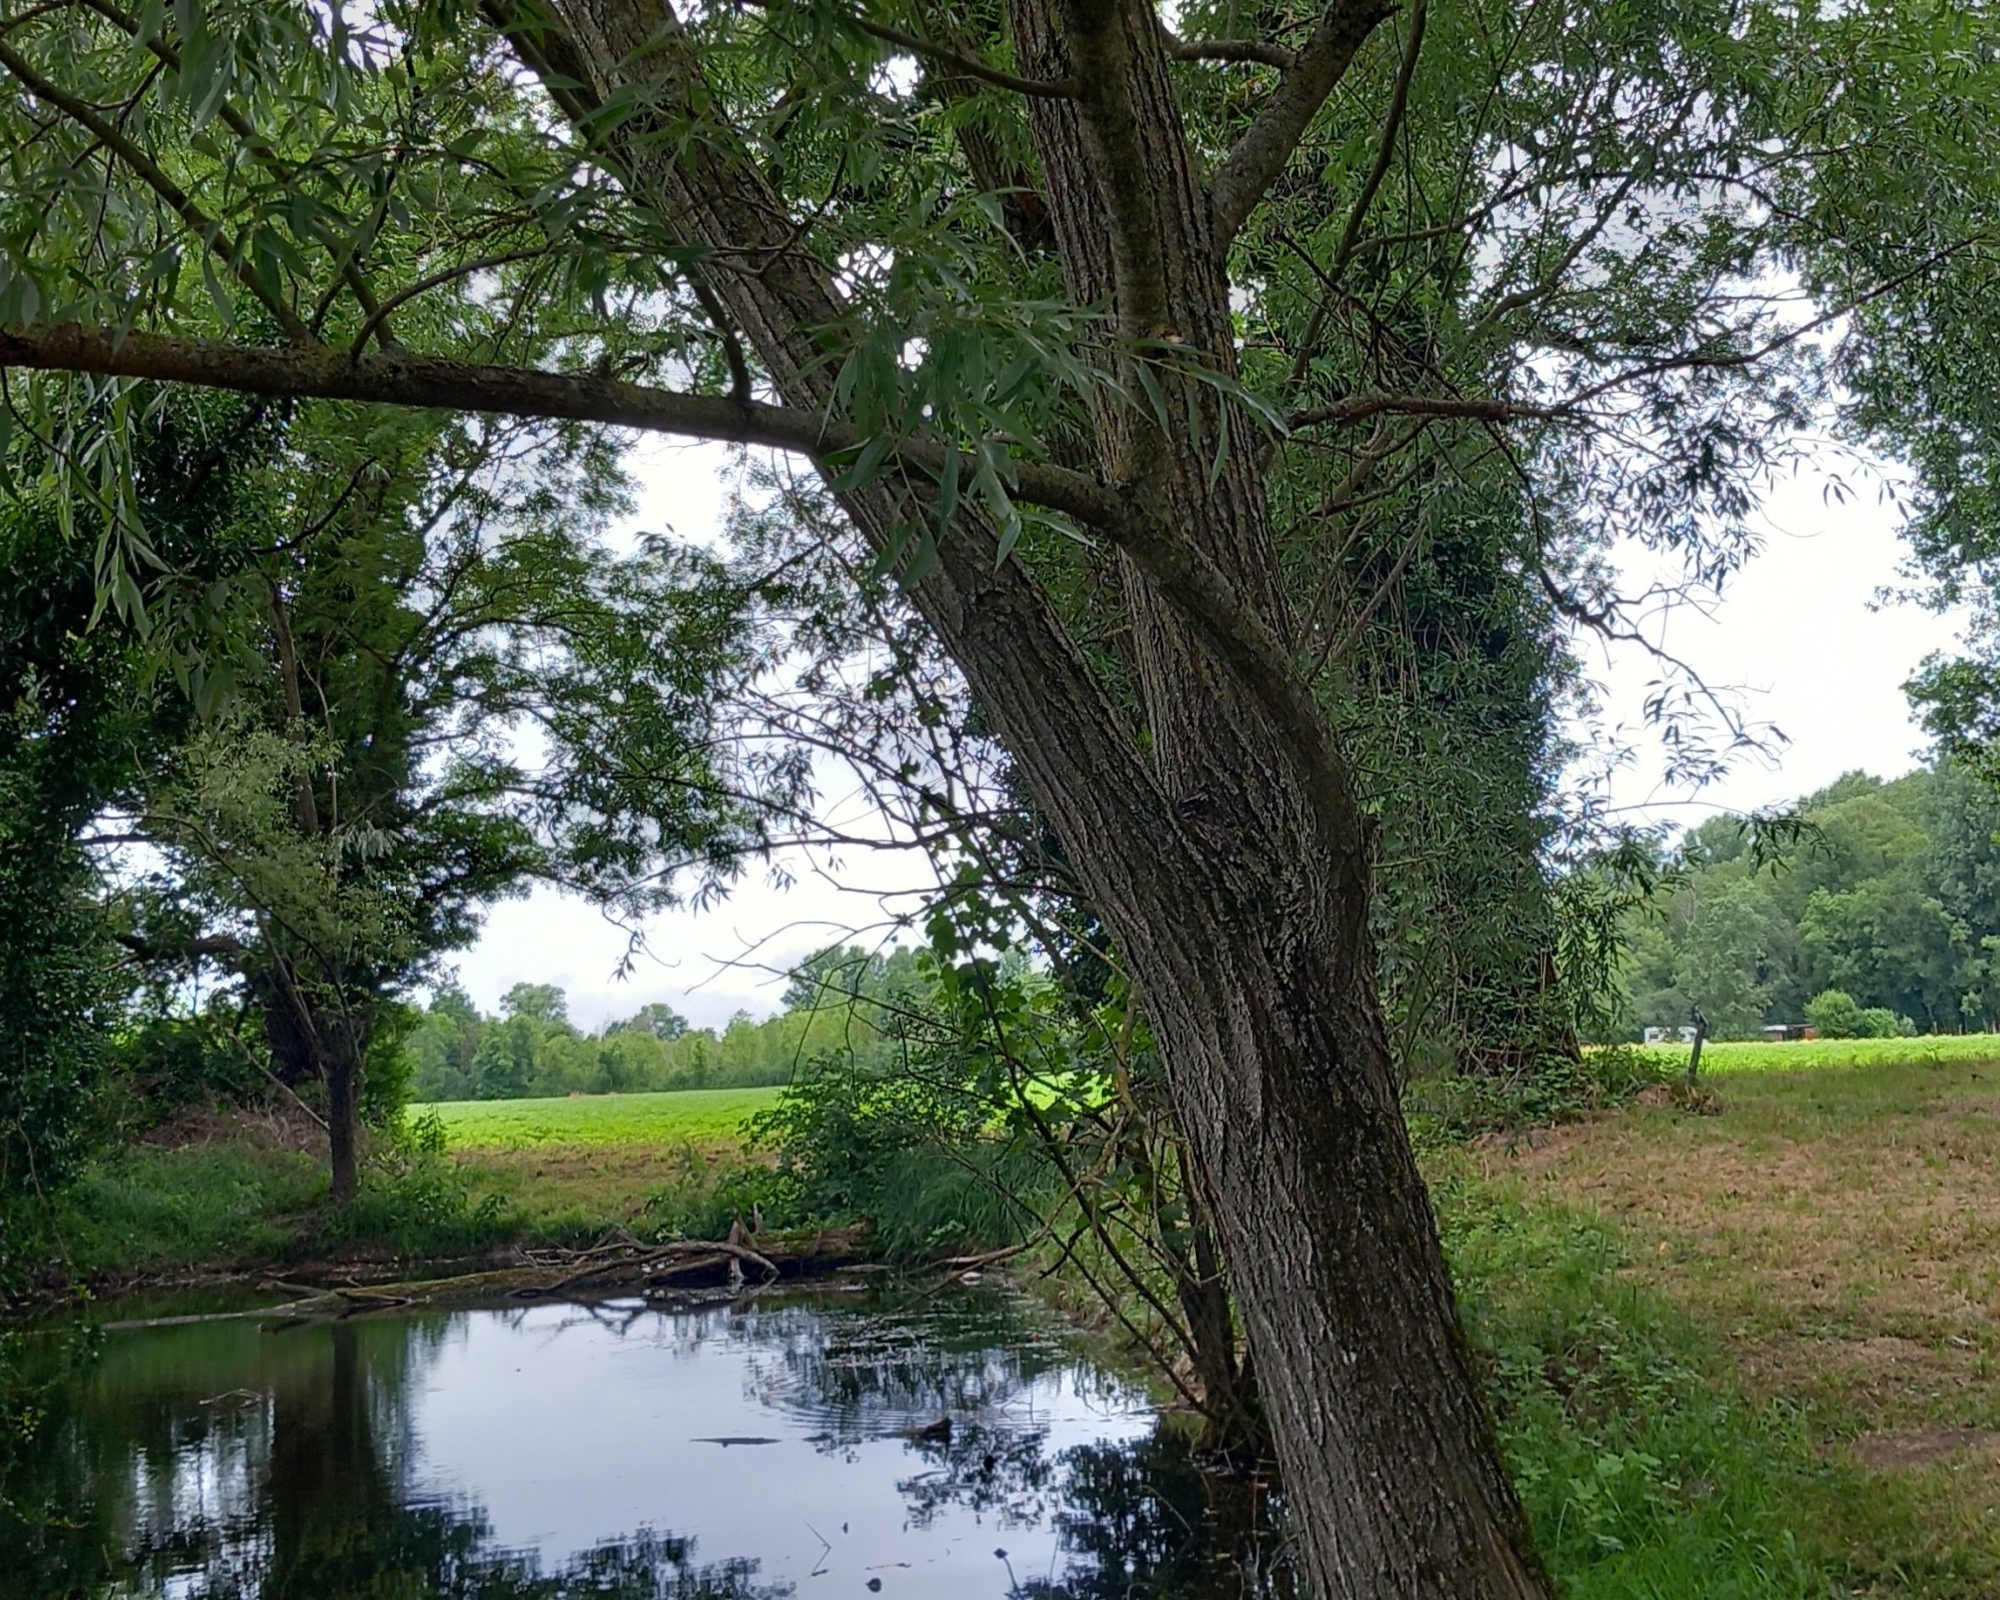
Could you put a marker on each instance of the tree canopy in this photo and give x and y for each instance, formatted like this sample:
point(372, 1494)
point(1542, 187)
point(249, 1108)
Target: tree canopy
point(1887, 896)
point(1114, 343)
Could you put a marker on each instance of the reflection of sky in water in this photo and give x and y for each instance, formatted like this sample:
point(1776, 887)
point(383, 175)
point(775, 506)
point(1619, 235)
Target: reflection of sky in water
point(557, 1452)
point(568, 1430)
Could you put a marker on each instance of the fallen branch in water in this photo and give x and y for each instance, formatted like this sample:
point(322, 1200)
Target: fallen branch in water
point(619, 1262)
point(704, 1252)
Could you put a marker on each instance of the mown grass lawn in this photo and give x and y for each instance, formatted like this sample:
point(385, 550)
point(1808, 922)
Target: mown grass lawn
point(702, 1117)
point(1832, 1236)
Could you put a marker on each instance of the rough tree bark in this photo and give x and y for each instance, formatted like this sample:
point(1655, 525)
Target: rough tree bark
point(1234, 1422)
point(1233, 866)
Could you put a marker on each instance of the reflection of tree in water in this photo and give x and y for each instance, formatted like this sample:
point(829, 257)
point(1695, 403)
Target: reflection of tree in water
point(1140, 1519)
point(1137, 1519)
point(1004, 1473)
point(233, 1463)
point(1144, 1519)
point(302, 1492)
point(439, 1554)
point(894, 1364)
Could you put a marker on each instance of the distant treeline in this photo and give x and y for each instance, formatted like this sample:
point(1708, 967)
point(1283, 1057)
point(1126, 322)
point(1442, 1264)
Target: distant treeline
point(1879, 913)
point(842, 999)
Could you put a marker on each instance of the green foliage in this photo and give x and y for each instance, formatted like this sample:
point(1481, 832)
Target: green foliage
point(167, 1060)
point(1465, 1105)
point(920, 1155)
point(1879, 1022)
point(230, 1202)
point(533, 1050)
point(1834, 1014)
point(1885, 893)
point(417, 1204)
point(55, 980)
point(78, 714)
point(61, 1358)
point(150, 1208)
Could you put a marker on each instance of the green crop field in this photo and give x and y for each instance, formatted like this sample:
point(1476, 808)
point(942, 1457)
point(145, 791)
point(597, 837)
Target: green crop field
point(1760, 1055)
point(690, 1116)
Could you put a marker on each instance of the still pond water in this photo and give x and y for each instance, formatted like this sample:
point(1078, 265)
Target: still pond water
point(783, 1446)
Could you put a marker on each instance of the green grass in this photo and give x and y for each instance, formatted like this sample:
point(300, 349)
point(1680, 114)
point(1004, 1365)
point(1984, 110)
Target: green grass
point(1762, 1055)
point(1756, 1351)
point(688, 1116)
point(545, 1171)
point(148, 1209)
point(1645, 1467)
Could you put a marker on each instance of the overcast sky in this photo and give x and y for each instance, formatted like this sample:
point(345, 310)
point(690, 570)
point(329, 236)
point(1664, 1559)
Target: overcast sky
point(1798, 633)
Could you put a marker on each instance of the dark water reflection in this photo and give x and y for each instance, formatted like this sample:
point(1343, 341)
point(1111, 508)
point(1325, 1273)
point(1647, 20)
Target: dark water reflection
point(782, 1447)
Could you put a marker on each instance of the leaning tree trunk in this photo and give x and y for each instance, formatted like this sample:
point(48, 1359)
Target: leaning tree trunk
point(1234, 878)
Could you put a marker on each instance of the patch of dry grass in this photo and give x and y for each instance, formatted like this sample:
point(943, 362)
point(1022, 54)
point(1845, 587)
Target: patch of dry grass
point(593, 1185)
point(1839, 1231)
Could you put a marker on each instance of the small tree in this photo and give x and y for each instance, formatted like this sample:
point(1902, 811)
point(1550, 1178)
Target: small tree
point(1835, 1014)
point(359, 798)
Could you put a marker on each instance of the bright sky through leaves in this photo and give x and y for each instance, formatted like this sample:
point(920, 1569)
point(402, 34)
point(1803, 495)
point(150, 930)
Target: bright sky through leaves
point(1796, 632)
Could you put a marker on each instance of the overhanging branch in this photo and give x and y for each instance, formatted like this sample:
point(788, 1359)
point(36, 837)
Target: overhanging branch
point(399, 377)
point(402, 378)
point(1267, 144)
point(1251, 52)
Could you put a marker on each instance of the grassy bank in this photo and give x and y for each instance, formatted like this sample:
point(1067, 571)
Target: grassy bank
point(1768, 1334)
point(239, 1194)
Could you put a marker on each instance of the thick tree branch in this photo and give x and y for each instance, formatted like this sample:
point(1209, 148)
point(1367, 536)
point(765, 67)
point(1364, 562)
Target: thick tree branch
point(1181, 572)
point(1260, 52)
point(1267, 144)
point(399, 377)
point(1252, 648)
point(1100, 54)
point(222, 945)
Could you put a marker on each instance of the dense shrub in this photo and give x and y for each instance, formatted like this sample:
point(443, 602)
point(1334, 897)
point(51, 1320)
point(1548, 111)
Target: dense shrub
point(167, 1062)
point(54, 975)
point(923, 1158)
point(1447, 1105)
point(1879, 1022)
point(1835, 1014)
